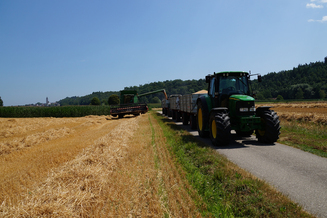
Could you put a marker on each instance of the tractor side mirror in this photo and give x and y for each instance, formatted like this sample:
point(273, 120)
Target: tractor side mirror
point(254, 94)
point(259, 79)
point(208, 79)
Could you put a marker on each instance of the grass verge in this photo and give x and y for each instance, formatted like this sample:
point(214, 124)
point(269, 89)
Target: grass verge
point(225, 189)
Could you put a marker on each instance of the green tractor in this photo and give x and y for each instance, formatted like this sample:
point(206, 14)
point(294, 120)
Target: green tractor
point(229, 105)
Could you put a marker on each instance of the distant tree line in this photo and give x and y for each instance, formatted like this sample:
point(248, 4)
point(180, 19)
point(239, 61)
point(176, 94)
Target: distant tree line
point(87, 99)
point(171, 86)
point(308, 81)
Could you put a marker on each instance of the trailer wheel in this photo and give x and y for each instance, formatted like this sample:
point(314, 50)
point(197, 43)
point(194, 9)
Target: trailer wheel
point(219, 124)
point(169, 113)
point(201, 124)
point(173, 114)
point(178, 116)
point(271, 127)
point(193, 123)
point(185, 118)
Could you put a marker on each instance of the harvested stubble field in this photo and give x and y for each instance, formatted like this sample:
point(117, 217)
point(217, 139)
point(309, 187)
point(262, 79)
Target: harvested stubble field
point(94, 166)
point(315, 112)
point(304, 125)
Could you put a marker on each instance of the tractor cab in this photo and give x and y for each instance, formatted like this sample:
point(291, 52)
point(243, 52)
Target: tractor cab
point(225, 84)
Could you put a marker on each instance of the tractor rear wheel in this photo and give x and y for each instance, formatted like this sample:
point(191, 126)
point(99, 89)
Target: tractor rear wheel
point(270, 132)
point(219, 124)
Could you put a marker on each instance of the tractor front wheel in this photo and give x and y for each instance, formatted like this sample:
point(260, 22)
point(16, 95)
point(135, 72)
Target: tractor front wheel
point(219, 124)
point(270, 132)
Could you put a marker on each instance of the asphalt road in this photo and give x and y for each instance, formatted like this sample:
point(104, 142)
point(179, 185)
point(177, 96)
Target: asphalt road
point(300, 175)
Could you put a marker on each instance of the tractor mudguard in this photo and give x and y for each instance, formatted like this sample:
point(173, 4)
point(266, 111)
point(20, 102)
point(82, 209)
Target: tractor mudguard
point(263, 108)
point(219, 109)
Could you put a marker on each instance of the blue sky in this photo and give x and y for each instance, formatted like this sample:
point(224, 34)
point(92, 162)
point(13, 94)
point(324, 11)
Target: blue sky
point(65, 48)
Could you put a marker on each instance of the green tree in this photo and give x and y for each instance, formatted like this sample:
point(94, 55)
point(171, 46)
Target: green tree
point(260, 96)
point(104, 102)
point(113, 99)
point(322, 94)
point(267, 93)
point(279, 97)
point(144, 99)
point(155, 100)
point(1, 102)
point(95, 101)
point(299, 94)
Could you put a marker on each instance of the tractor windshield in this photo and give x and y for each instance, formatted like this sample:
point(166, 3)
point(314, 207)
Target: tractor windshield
point(233, 85)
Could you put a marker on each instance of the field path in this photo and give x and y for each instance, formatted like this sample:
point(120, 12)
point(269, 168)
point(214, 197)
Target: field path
point(299, 175)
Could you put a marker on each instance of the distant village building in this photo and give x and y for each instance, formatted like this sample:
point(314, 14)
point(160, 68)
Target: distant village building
point(47, 101)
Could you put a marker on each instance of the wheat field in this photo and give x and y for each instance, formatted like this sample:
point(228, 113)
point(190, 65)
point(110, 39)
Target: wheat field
point(312, 112)
point(94, 166)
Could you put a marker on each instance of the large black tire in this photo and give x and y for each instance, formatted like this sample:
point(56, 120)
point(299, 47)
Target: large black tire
point(185, 118)
point(170, 113)
point(271, 123)
point(193, 122)
point(201, 121)
point(219, 124)
point(178, 116)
